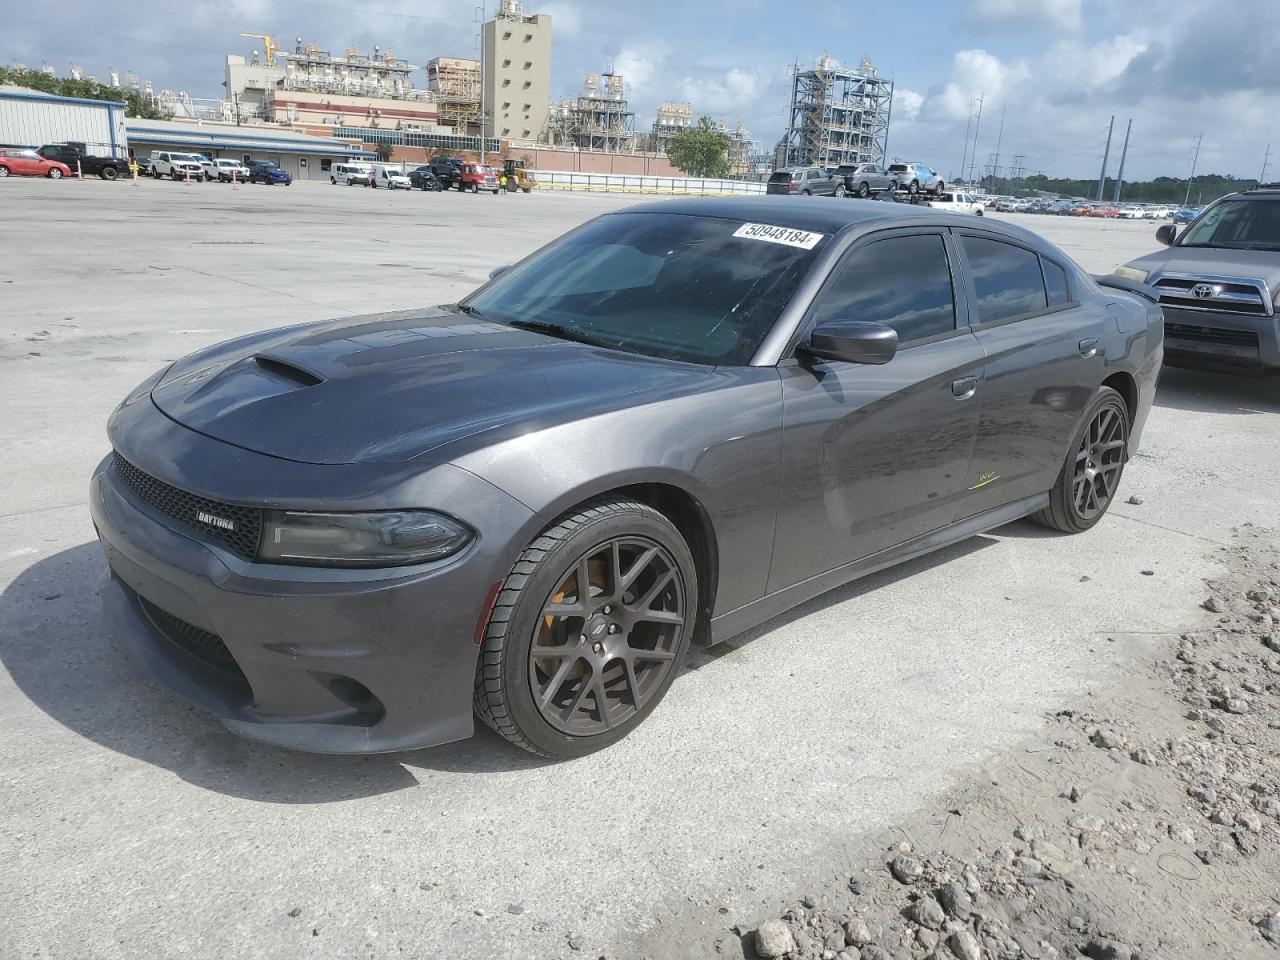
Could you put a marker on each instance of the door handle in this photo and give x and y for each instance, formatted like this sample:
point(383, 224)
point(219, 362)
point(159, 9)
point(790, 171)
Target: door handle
point(1089, 347)
point(964, 388)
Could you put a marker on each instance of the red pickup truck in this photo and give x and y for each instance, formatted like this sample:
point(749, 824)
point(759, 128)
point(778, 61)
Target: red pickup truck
point(478, 176)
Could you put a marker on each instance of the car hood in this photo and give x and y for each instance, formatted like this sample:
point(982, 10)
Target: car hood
point(1210, 261)
point(393, 387)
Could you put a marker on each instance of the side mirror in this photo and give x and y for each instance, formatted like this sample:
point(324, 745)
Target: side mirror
point(496, 272)
point(853, 341)
point(1165, 233)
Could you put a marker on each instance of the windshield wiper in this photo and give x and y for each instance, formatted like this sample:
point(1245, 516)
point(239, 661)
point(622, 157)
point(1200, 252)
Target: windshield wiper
point(471, 311)
point(560, 331)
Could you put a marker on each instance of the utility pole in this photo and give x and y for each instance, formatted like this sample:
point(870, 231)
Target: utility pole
point(1106, 155)
point(1195, 158)
point(1124, 152)
point(1266, 162)
point(480, 44)
point(964, 151)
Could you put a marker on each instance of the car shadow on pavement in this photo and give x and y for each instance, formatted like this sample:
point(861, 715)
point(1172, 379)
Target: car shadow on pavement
point(1204, 392)
point(55, 646)
point(700, 657)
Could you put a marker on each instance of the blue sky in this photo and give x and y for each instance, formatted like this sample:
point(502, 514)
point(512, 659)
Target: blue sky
point(1059, 68)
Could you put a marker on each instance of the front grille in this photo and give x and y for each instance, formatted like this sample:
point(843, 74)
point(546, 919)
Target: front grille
point(1228, 296)
point(237, 528)
point(201, 644)
point(1232, 338)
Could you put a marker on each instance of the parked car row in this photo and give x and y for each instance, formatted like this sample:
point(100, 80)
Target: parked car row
point(441, 173)
point(855, 180)
point(1079, 207)
point(199, 167)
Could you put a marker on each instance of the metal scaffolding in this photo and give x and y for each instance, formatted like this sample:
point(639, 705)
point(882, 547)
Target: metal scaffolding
point(671, 119)
point(837, 116)
point(455, 83)
point(599, 119)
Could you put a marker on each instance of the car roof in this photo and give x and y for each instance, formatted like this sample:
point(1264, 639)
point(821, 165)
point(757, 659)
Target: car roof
point(823, 214)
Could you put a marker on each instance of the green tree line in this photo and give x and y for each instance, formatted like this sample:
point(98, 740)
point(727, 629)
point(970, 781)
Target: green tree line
point(1204, 187)
point(136, 105)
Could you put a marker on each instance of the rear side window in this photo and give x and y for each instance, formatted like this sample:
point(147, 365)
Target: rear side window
point(902, 282)
point(782, 176)
point(1006, 279)
point(1055, 282)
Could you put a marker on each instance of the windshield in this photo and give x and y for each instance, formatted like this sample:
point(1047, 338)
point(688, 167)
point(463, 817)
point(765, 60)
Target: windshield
point(1241, 224)
point(698, 289)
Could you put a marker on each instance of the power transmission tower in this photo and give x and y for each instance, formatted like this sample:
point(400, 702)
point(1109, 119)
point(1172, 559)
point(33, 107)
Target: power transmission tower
point(995, 160)
point(1195, 158)
point(1018, 170)
point(1124, 152)
point(1266, 162)
point(1106, 155)
point(977, 125)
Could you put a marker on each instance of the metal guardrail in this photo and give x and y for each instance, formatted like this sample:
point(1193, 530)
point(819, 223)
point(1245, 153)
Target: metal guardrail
point(634, 183)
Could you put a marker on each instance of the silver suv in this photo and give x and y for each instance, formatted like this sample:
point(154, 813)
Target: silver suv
point(808, 181)
point(914, 177)
point(1219, 284)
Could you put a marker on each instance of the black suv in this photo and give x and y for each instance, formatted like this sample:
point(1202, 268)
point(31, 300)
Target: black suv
point(1219, 284)
point(422, 178)
point(448, 170)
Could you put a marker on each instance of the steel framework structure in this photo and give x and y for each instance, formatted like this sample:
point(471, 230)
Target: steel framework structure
point(838, 116)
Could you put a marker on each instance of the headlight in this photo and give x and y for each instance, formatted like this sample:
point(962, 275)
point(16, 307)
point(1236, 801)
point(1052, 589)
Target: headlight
point(390, 539)
point(1131, 273)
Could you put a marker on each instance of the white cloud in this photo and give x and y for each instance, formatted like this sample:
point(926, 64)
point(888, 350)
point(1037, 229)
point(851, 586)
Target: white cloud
point(906, 105)
point(566, 19)
point(733, 92)
point(1063, 14)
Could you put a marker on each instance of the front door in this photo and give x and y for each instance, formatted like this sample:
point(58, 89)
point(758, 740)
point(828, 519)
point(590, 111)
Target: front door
point(1045, 359)
point(874, 456)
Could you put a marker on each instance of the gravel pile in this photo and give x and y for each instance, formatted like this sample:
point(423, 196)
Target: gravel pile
point(1143, 827)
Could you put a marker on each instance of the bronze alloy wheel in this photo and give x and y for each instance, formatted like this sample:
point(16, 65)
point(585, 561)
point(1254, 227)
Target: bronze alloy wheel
point(607, 637)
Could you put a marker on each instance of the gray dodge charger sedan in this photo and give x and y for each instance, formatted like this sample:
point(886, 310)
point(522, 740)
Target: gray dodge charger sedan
point(669, 425)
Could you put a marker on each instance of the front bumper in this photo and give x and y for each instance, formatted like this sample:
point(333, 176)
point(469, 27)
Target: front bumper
point(1223, 341)
point(323, 660)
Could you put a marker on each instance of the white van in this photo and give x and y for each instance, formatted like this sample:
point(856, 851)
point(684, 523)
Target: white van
point(390, 177)
point(349, 173)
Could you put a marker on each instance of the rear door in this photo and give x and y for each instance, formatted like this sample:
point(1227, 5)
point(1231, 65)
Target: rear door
point(874, 456)
point(1045, 359)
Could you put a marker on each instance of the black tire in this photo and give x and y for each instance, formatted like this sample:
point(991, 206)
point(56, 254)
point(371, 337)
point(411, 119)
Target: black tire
point(864, 189)
point(979, 212)
point(55, 173)
point(4, 171)
point(806, 193)
point(173, 175)
point(504, 697)
point(939, 188)
point(108, 173)
point(526, 189)
point(1064, 512)
point(913, 187)
point(893, 185)
point(840, 191)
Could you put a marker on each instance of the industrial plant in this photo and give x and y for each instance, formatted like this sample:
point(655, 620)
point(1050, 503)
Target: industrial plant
point(503, 102)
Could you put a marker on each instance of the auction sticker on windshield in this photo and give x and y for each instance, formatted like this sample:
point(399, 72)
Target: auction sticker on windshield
point(785, 235)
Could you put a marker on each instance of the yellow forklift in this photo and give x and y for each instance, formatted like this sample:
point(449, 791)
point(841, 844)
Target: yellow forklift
point(517, 174)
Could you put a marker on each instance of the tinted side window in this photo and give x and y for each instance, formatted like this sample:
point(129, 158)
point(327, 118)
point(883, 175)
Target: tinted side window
point(1055, 281)
point(902, 282)
point(1006, 279)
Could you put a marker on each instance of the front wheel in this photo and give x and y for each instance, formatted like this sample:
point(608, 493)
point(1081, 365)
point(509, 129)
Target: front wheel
point(840, 191)
point(979, 212)
point(1087, 484)
point(913, 187)
point(108, 173)
point(4, 172)
point(864, 190)
point(589, 630)
point(55, 173)
point(939, 188)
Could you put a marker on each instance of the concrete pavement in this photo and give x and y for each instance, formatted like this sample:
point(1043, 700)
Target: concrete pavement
point(135, 826)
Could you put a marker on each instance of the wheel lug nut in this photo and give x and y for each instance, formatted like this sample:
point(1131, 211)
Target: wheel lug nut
point(613, 628)
point(598, 649)
point(607, 609)
point(582, 638)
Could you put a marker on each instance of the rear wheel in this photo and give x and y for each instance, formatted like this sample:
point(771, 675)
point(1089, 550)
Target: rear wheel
point(55, 173)
point(4, 172)
point(913, 187)
point(1087, 484)
point(864, 189)
point(840, 190)
point(806, 193)
point(589, 630)
point(108, 173)
point(939, 188)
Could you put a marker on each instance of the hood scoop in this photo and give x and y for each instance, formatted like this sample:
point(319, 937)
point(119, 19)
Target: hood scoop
point(285, 370)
